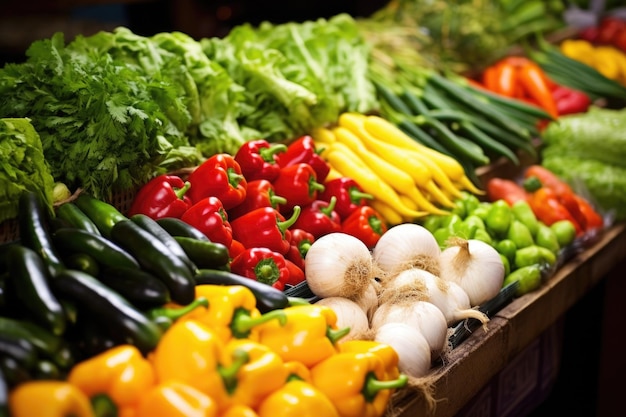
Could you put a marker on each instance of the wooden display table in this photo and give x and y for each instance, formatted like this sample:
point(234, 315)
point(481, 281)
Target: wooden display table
point(474, 363)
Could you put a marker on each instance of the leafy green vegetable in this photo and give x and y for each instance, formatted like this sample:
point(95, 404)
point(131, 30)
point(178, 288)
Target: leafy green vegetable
point(22, 166)
point(598, 134)
point(295, 76)
point(104, 126)
point(588, 150)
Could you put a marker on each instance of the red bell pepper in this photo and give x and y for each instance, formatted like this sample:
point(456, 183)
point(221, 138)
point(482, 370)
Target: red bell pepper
point(219, 176)
point(303, 150)
point(162, 196)
point(296, 273)
point(300, 241)
point(265, 227)
point(236, 247)
point(569, 101)
point(349, 195)
point(319, 218)
point(594, 220)
point(208, 216)
point(259, 193)
point(263, 265)
point(257, 159)
point(366, 224)
point(298, 184)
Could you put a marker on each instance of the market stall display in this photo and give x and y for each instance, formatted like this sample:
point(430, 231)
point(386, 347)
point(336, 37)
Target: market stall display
point(281, 203)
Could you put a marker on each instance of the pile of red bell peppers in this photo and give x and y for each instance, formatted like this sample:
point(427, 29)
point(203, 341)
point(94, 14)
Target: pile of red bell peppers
point(267, 203)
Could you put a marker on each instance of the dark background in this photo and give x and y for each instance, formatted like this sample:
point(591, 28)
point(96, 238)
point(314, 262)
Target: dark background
point(24, 21)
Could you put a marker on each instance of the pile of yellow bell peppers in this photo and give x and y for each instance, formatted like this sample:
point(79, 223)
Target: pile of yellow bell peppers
point(608, 60)
point(228, 360)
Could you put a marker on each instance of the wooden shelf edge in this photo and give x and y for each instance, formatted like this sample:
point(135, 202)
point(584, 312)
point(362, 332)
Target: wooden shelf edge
point(481, 356)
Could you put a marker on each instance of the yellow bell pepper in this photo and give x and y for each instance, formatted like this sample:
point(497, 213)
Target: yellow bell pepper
point(191, 352)
point(176, 399)
point(385, 352)
point(297, 398)
point(239, 410)
point(232, 311)
point(255, 372)
point(47, 398)
point(362, 390)
point(297, 370)
point(121, 372)
point(309, 335)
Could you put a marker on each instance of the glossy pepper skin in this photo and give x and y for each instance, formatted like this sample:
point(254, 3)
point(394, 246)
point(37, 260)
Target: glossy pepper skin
point(258, 159)
point(263, 265)
point(548, 208)
point(210, 217)
point(296, 273)
point(162, 196)
point(363, 390)
point(176, 399)
point(121, 372)
point(297, 398)
point(319, 218)
point(349, 195)
point(366, 224)
point(192, 353)
point(232, 311)
point(303, 150)
point(260, 372)
point(46, 398)
point(259, 193)
point(219, 176)
point(570, 101)
point(309, 335)
point(264, 227)
point(300, 242)
point(298, 184)
point(384, 351)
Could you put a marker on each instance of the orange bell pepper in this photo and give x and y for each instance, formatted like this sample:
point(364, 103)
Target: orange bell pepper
point(309, 335)
point(175, 399)
point(122, 373)
point(45, 398)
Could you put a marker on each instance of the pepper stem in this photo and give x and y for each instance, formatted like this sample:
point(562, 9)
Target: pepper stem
point(234, 178)
point(165, 316)
point(242, 323)
point(286, 224)
point(315, 186)
point(335, 334)
point(267, 153)
point(372, 385)
point(375, 224)
point(275, 200)
point(356, 195)
point(328, 210)
point(229, 373)
point(180, 192)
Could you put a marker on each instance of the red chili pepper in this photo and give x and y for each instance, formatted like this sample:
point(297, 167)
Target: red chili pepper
point(298, 184)
point(219, 176)
point(505, 189)
point(562, 190)
point(162, 196)
point(366, 224)
point(548, 208)
point(569, 101)
point(319, 218)
point(263, 265)
point(609, 28)
point(594, 219)
point(303, 150)
point(296, 273)
point(208, 216)
point(349, 195)
point(259, 193)
point(257, 159)
point(265, 227)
